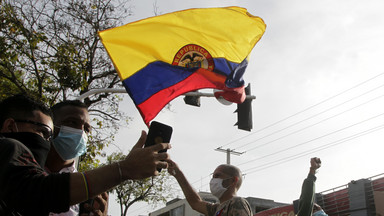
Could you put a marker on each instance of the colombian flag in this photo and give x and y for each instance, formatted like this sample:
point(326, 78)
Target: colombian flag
point(162, 57)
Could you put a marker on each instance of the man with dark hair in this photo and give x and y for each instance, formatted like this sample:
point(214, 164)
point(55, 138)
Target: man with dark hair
point(72, 127)
point(27, 189)
point(225, 183)
point(20, 106)
point(32, 119)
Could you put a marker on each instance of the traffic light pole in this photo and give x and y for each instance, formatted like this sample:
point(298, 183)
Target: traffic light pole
point(244, 110)
point(197, 94)
point(112, 90)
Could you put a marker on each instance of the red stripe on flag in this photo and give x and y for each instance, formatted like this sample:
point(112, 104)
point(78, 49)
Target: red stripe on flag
point(200, 79)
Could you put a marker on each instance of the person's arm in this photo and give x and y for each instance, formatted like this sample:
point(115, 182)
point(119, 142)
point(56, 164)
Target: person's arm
point(191, 195)
point(25, 187)
point(28, 189)
point(140, 163)
point(307, 196)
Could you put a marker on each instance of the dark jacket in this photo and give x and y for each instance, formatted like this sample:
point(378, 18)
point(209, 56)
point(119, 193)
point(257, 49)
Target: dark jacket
point(25, 188)
point(307, 197)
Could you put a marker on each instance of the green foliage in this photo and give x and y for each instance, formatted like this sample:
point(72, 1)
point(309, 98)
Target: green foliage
point(152, 190)
point(51, 50)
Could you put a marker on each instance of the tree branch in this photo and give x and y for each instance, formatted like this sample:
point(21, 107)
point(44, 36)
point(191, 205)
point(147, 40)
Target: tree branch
point(104, 113)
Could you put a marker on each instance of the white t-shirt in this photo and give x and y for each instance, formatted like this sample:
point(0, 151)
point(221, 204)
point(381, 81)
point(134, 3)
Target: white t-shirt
point(73, 210)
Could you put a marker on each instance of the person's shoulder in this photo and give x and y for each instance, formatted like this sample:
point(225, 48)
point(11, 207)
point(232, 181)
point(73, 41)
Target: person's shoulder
point(10, 147)
point(242, 201)
point(240, 206)
point(11, 144)
point(239, 199)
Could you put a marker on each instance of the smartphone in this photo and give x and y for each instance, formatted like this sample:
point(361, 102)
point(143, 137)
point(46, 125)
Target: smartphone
point(158, 133)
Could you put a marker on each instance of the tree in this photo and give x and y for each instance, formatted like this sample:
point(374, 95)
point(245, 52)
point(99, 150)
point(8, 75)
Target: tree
point(50, 50)
point(152, 190)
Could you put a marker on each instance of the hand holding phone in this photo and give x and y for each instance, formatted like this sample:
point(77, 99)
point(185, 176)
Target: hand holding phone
point(158, 133)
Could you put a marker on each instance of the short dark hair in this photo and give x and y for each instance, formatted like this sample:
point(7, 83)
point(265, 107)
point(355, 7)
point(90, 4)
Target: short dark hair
point(21, 107)
point(76, 103)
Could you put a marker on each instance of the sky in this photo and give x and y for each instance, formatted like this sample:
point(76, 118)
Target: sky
point(317, 74)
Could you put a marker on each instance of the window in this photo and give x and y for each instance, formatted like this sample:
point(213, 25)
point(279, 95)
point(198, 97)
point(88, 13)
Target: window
point(178, 211)
point(164, 214)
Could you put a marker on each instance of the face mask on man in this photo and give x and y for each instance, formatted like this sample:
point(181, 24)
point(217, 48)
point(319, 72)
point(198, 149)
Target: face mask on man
point(216, 186)
point(319, 213)
point(35, 143)
point(70, 142)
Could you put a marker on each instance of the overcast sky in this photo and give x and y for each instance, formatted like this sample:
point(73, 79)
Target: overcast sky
point(317, 74)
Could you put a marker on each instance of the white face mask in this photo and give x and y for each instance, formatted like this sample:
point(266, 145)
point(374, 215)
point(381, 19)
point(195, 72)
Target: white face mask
point(216, 186)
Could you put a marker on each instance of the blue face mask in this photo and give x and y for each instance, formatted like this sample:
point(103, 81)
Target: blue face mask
point(70, 143)
point(319, 213)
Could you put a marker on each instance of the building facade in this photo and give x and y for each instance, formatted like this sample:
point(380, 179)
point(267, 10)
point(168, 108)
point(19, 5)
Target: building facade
point(364, 197)
point(180, 207)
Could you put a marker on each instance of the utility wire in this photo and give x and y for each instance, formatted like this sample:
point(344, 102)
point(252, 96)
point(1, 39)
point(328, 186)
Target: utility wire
point(200, 180)
point(317, 138)
point(333, 107)
point(307, 152)
point(308, 108)
point(309, 126)
point(304, 153)
point(299, 155)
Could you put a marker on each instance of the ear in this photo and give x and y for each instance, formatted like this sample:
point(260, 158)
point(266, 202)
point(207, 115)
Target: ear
point(9, 126)
point(235, 180)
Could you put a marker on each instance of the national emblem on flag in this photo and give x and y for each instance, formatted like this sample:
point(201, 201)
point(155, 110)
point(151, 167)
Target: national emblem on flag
point(162, 57)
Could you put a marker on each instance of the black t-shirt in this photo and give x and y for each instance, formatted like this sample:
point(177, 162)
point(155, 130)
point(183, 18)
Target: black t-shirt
point(25, 188)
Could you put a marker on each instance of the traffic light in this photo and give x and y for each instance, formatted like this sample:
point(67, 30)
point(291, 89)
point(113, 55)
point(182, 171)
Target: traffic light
point(244, 112)
point(192, 100)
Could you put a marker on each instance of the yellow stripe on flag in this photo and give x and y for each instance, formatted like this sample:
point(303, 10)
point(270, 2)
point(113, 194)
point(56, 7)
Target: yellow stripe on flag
point(229, 33)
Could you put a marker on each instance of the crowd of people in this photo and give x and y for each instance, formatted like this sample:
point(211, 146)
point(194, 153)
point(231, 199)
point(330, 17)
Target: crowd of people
point(38, 176)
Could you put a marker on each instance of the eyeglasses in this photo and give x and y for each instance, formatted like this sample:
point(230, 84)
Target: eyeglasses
point(46, 131)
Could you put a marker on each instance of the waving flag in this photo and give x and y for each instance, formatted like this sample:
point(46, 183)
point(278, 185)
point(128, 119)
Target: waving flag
point(162, 57)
